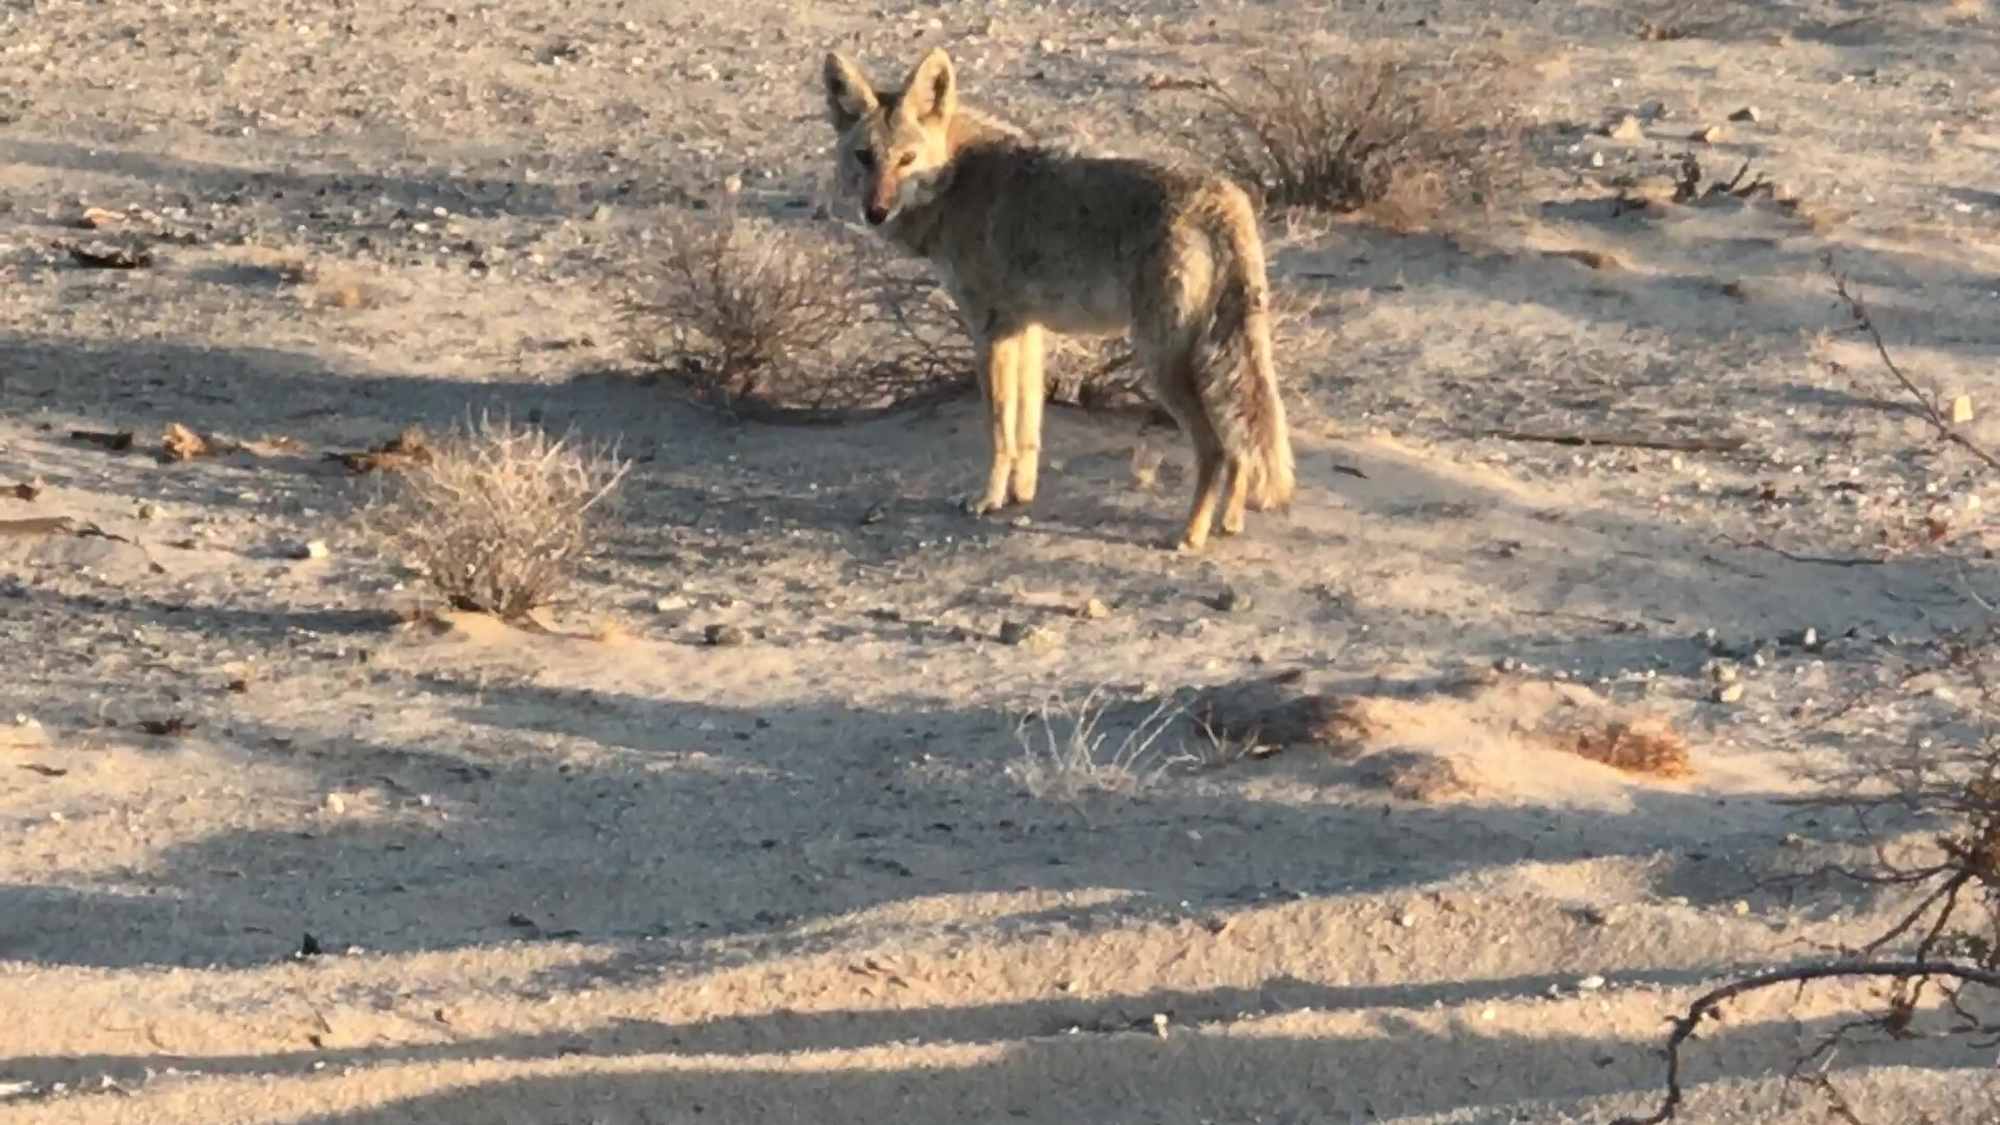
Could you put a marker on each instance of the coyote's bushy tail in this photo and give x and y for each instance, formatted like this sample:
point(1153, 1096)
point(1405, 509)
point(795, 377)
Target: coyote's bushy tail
point(1234, 370)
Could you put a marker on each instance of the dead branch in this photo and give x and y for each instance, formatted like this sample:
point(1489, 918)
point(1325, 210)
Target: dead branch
point(1685, 1025)
point(1927, 403)
point(1819, 560)
point(1625, 440)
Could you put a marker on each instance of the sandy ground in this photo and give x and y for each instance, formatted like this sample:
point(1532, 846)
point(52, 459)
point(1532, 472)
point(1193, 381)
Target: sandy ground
point(620, 876)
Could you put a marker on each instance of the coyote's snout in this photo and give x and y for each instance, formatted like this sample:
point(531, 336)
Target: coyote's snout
point(1028, 238)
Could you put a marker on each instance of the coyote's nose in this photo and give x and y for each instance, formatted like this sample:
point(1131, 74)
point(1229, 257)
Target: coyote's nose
point(877, 214)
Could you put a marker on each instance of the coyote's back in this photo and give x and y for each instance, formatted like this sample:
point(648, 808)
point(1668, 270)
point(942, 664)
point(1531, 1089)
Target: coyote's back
point(1028, 238)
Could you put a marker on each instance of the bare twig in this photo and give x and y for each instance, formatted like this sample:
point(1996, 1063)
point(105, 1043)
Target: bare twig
point(1629, 441)
point(1686, 1024)
point(1927, 403)
point(1820, 560)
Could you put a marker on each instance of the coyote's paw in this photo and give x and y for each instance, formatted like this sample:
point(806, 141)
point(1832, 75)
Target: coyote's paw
point(982, 505)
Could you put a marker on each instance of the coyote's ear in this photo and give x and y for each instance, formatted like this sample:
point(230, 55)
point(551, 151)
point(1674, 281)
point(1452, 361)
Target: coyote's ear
point(931, 94)
point(849, 97)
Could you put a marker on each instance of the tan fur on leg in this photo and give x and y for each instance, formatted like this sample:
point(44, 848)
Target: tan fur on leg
point(1030, 389)
point(1207, 491)
point(1003, 409)
point(1236, 494)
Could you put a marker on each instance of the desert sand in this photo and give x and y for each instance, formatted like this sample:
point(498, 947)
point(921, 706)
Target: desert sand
point(609, 873)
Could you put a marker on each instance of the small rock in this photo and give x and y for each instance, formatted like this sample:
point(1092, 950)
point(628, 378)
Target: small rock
point(149, 510)
point(875, 514)
point(29, 489)
point(601, 213)
point(311, 549)
point(336, 804)
point(1961, 410)
point(1591, 983)
point(1160, 1024)
point(1406, 919)
point(1627, 129)
point(1709, 134)
point(670, 603)
point(1747, 113)
point(723, 636)
point(1094, 610)
point(1723, 672)
point(1729, 693)
point(1739, 908)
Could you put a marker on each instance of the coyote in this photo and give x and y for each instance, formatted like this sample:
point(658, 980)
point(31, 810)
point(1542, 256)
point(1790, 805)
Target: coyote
point(1029, 238)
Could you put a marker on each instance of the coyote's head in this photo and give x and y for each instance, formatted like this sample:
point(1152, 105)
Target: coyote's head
point(893, 151)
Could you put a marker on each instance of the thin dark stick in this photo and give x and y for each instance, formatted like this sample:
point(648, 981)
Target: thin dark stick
point(1928, 404)
point(1821, 560)
point(1631, 441)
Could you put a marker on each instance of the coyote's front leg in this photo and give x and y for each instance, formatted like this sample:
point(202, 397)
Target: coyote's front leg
point(1030, 387)
point(1001, 363)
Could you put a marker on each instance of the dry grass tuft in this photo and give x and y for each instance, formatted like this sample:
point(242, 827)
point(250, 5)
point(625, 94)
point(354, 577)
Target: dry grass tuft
point(1377, 133)
point(1648, 747)
point(498, 514)
point(1067, 754)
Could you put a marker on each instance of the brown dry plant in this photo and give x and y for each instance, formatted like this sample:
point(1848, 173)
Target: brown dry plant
point(788, 322)
point(738, 302)
point(1645, 746)
point(1379, 133)
point(498, 515)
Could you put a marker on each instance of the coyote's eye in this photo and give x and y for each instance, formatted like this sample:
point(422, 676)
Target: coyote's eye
point(908, 159)
point(865, 158)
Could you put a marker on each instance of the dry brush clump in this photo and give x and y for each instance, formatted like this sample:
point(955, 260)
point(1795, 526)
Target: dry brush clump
point(1646, 746)
point(497, 515)
point(1379, 132)
point(792, 321)
point(739, 302)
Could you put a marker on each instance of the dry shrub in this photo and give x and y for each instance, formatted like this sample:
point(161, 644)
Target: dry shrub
point(1648, 747)
point(498, 514)
point(743, 300)
point(759, 315)
point(1379, 132)
point(1684, 19)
